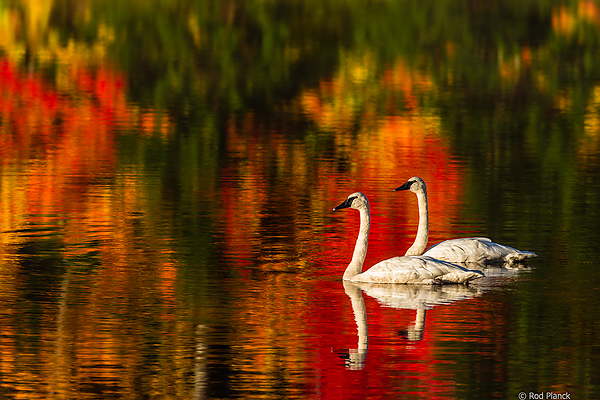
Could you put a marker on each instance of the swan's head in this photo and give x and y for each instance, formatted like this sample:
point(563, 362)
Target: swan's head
point(414, 184)
point(355, 200)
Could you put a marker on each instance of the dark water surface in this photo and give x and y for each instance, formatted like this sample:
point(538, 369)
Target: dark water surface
point(168, 172)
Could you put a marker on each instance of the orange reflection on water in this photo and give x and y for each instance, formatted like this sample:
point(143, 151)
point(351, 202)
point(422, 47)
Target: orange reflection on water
point(60, 143)
point(273, 179)
point(589, 144)
point(63, 198)
point(571, 21)
point(390, 148)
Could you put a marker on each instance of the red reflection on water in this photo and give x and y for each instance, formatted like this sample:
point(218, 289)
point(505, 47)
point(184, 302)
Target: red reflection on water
point(456, 337)
point(53, 145)
point(394, 364)
point(273, 186)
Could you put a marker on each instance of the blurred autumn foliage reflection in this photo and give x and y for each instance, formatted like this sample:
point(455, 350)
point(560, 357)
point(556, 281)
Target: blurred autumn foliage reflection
point(58, 146)
point(168, 170)
point(64, 205)
point(278, 192)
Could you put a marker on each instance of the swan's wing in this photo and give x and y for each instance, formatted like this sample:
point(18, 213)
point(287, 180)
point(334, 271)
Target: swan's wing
point(417, 269)
point(477, 250)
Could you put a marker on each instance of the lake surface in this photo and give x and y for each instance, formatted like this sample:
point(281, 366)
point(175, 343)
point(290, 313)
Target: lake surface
point(168, 172)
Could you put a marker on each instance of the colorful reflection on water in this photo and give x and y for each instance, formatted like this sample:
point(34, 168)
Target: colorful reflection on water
point(167, 230)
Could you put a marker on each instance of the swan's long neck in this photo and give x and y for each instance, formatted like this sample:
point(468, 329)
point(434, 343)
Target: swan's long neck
point(416, 332)
point(420, 243)
point(357, 357)
point(360, 249)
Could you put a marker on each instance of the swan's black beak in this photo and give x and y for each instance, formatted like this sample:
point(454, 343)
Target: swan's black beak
point(347, 203)
point(406, 186)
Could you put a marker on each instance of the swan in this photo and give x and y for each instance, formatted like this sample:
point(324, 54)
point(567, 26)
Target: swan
point(407, 269)
point(464, 250)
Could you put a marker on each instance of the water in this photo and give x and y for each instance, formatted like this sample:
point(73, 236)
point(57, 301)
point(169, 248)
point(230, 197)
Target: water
point(166, 196)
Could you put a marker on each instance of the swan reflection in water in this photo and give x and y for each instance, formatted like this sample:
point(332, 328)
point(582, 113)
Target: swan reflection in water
point(414, 297)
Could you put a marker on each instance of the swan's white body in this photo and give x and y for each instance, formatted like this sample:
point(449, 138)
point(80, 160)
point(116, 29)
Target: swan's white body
point(476, 249)
point(407, 269)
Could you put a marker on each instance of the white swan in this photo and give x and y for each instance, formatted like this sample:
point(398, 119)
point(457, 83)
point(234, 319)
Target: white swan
point(476, 249)
point(408, 269)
